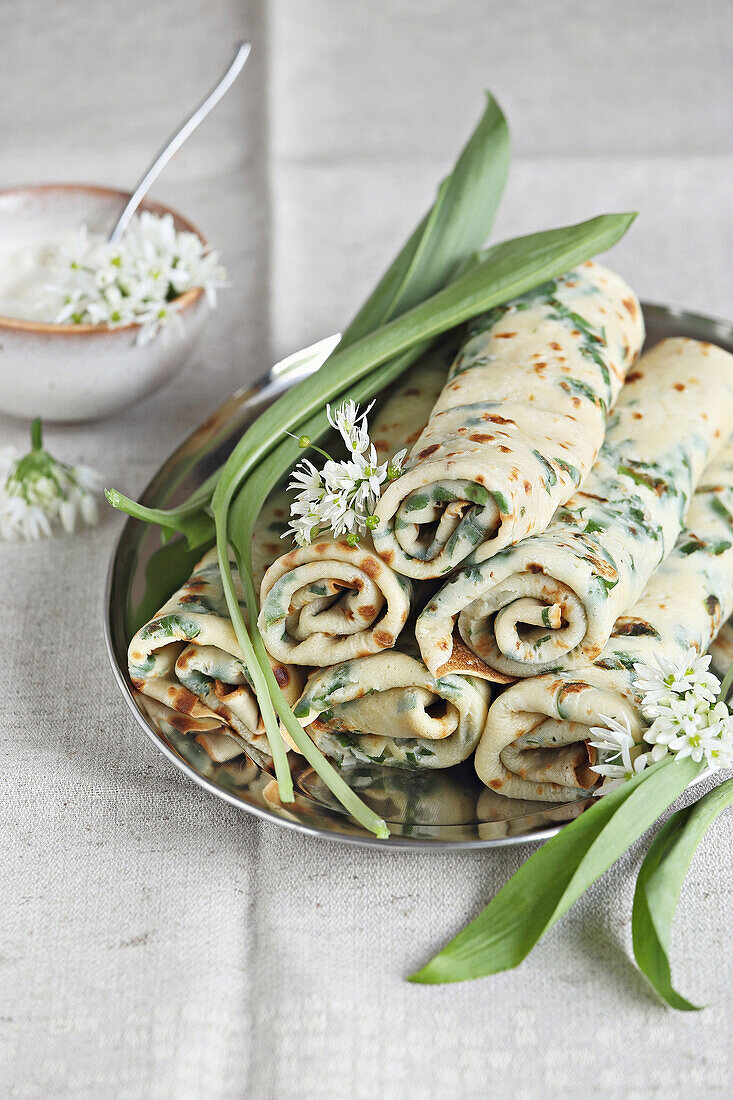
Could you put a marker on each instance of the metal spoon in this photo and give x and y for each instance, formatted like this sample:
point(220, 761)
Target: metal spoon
point(175, 142)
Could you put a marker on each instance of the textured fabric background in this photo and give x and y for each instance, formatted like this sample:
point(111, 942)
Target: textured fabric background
point(155, 942)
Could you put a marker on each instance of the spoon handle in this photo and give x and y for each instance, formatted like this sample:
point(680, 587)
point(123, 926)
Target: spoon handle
point(177, 139)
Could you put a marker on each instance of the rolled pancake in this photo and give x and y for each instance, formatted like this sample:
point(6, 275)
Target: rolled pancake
point(517, 426)
point(387, 709)
point(535, 743)
point(331, 602)
point(552, 600)
point(187, 659)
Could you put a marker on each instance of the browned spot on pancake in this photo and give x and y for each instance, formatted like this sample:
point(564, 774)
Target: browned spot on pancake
point(281, 675)
point(527, 487)
point(368, 612)
point(540, 368)
point(591, 496)
point(505, 450)
point(349, 614)
point(181, 699)
point(679, 386)
point(574, 688)
point(630, 305)
point(429, 451)
point(387, 555)
point(504, 335)
point(195, 584)
point(182, 723)
point(628, 626)
point(357, 583)
point(534, 567)
point(634, 376)
point(479, 437)
point(636, 416)
point(139, 684)
point(411, 439)
point(381, 444)
point(463, 660)
point(184, 660)
point(480, 478)
point(575, 402)
point(496, 784)
point(716, 433)
point(555, 346)
point(383, 638)
point(371, 567)
point(496, 419)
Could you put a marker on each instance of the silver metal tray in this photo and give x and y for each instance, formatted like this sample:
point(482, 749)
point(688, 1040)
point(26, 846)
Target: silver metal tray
point(437, 810)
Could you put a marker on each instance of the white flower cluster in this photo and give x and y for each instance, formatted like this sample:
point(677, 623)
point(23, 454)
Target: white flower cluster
point(342, 496)
point(37, 493)
point(679, 702)
point(135, 281)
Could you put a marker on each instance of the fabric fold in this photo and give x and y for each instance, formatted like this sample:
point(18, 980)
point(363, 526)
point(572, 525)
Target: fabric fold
point(552, 600)
point(517, 426)
point(387, 709)
point(535, 743)
point(329, 602)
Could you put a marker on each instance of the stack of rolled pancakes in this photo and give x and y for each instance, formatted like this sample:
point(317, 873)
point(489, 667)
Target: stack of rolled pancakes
point(565, 510)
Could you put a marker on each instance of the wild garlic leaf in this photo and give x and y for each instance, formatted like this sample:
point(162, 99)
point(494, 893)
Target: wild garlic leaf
point(552, 879)
point(658, 889)
point(458, 222)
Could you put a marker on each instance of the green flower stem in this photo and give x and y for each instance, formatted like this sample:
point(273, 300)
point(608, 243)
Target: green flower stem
point(36, 434)
point(259, 682)
point(243, 515)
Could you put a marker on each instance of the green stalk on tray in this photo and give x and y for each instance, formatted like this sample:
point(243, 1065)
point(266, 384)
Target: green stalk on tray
point(440, 279)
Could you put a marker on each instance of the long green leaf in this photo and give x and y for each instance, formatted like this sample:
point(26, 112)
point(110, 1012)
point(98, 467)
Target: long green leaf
point(504, 271)
point(458, 222)
point(658, 889)
point(552, 879)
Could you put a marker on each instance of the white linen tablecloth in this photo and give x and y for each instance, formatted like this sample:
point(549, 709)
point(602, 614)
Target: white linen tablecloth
point(156, 942)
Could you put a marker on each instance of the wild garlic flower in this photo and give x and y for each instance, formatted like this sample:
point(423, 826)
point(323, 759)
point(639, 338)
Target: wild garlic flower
point(351, 425)
point(135, 281)
point(341, 497)
point(619, 756)
point(37, 492)
point(679, 703)
point(662, 680)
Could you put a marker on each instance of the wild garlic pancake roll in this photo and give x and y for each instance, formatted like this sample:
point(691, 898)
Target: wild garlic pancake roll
point(535, 743)
point(517, 426)
point(188, 660)
point(387, 709)
point(330, 602)
point(552, 600)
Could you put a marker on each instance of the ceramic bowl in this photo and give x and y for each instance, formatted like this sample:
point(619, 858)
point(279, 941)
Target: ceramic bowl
point(82, 372)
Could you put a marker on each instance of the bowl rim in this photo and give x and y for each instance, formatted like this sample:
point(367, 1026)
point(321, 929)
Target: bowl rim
point(185, 300)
